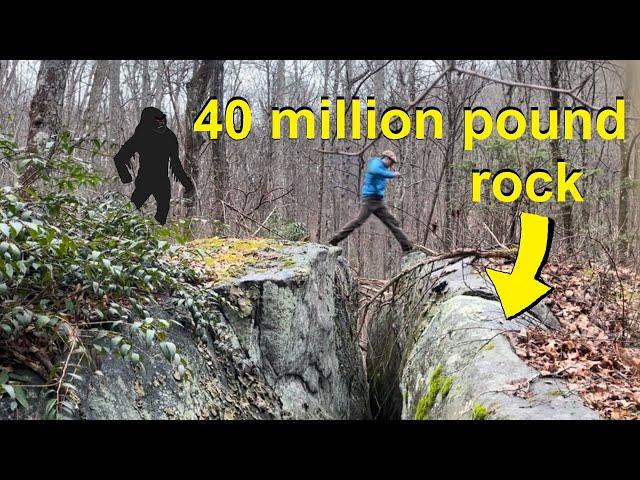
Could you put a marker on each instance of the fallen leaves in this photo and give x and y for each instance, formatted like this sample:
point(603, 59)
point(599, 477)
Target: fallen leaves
point(519, 388)
point(596, 350)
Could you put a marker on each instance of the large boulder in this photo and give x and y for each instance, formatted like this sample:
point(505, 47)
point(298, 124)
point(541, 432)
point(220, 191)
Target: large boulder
point(224, 384)
point(298, 324)
point(438, 350)
point(283, 345)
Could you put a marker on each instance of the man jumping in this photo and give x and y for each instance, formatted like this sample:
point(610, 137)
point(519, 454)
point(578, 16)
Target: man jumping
point(375, 180)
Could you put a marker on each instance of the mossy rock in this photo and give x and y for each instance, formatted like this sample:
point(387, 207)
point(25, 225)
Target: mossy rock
point(438, 384)
point(223, 259)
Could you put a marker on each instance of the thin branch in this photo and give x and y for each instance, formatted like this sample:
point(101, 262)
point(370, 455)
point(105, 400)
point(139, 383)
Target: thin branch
point(570, 93)
point(379, 135)
point(251, 219)
point(265, 221)
point(369, 75)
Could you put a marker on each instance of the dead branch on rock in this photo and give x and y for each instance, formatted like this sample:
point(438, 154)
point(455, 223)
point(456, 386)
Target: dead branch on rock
point(462, 252)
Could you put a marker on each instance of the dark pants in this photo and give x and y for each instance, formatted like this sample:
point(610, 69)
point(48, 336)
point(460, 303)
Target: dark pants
point(368, 206)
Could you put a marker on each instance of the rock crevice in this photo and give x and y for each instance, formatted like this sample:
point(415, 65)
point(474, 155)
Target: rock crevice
point(301, 333)
point(284, 345)
point(439, 351)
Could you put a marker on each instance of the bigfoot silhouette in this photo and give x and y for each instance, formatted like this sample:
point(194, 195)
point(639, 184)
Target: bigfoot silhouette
point(157, 147)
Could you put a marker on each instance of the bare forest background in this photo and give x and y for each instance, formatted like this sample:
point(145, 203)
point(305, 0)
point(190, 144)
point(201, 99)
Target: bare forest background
point(306, 189)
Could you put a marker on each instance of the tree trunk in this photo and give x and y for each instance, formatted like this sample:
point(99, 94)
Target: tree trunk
point(629, 157)
point(115, 103)
point(218, 152)
point(447, 230)
point(280, 164)
point(100, 72)
point(325, 91)
point(623, 209)
point(158, 86)
point(146, 85)
point(566, 213)
point(10, 78)
point(45, 111)
point(197, 94)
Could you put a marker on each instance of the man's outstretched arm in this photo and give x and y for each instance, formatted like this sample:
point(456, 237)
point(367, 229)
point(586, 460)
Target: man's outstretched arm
point(379, 168)
point(176, 167)
point(123, 160)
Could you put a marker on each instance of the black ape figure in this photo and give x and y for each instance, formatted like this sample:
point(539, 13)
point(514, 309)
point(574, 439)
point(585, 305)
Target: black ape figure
point(157, 147)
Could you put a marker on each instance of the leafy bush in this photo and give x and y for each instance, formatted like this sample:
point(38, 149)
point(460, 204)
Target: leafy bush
point(77, 278)
point(282, 229)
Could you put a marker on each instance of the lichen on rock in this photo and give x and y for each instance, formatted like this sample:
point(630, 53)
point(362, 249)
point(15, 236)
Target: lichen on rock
point(223, 259)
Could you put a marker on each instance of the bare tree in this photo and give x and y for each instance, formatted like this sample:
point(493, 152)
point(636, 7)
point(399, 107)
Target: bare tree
point(115, 101)
point(45, 111)
point(197, 94)
point(100, 73)
point(566, 212)
point(317, 183)
point(219, 161)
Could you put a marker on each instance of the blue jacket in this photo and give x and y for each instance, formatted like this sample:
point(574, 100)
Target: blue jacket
point(375, 178)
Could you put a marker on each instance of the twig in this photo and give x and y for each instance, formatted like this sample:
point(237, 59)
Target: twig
point(378, 136)
point(570, 93)
point(424, 249)
point(64, 371)
point(265, 221)
point(367, 76)
point(494, 237)
point(251, 219)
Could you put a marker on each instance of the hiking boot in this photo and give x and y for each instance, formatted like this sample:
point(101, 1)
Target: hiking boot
point(333, 243)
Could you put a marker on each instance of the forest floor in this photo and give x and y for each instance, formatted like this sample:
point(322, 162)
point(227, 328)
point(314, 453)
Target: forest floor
point(597, 347)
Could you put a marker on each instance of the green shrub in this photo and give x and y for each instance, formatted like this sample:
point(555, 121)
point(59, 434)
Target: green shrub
point(282, 229)
point(78, 275)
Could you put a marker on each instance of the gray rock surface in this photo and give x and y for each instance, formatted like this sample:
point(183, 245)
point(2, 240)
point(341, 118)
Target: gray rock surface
point(446, 328)
point(224, 385)
point(298, 325)
point(286, 347)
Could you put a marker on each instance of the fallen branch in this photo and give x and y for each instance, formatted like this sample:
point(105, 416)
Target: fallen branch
point(463, 252)
point(36, 367)
point(251, 219)
point(265, 221)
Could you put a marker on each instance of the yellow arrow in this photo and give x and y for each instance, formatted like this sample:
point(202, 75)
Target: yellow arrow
point(523, 288)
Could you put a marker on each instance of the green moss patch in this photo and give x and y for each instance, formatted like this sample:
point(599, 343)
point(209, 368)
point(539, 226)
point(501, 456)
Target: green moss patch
point(221, 259)
point(479, 412)
point(446, 386)
point(438, 384)
point(489, 346)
